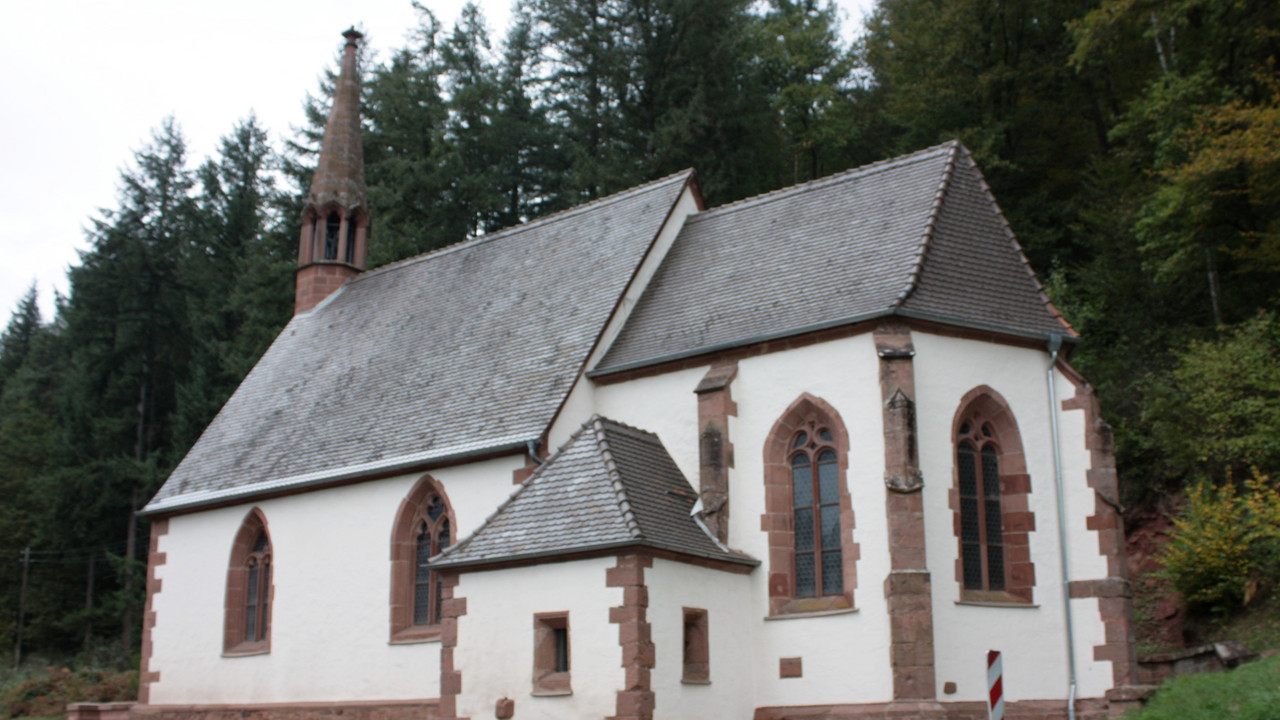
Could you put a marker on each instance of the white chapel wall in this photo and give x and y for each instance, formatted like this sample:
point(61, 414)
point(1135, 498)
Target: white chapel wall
point(330, 621)
point(732, 629)
point(845, 657)
point(496, 639)
point(1031, 639)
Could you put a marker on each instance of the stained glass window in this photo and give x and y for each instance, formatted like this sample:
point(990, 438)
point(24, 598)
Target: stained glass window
point(815, 485)
point(981, 526)
point(431, 538)
point(257, 590)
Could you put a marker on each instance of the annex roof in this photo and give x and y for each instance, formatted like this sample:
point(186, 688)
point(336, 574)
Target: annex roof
point(918, 236)
point(467, 350)
point(608, 486)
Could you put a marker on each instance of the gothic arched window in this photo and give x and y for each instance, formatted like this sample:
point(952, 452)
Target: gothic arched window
point(815, 507)
point(990, 499)
point(247, 625)
point(432, 538)
point(808, 511)
point(423, 528)
point(981, 530)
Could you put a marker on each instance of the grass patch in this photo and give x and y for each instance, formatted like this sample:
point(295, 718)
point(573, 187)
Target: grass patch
point(1249, 692)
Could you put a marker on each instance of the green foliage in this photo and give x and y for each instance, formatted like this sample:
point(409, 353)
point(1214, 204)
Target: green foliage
point(15, 343)
point(46, 692)
point(185, 283)
point(1224, 543)
point(1218, 408)
point(995, 75)
point(1249, 692)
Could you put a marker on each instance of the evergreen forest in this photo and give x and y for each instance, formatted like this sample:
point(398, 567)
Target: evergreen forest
point(1133, 144)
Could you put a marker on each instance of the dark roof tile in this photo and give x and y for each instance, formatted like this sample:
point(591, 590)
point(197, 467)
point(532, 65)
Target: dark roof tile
point(905, 235)
point(609, 486)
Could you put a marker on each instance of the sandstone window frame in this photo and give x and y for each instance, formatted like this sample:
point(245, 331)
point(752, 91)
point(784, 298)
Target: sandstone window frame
point(805, 414)
point(250, 590)
point(552, 654)
point(984, 423)
point(696, 652)
point(426, 505)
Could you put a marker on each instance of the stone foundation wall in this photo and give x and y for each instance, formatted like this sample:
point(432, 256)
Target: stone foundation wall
point(407, 710)
point(1086, 709)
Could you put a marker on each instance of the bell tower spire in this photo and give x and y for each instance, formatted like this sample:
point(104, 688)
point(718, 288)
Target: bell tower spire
point(334, 243)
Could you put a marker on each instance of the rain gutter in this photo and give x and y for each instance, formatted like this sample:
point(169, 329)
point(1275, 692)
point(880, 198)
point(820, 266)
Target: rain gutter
point(827, 325)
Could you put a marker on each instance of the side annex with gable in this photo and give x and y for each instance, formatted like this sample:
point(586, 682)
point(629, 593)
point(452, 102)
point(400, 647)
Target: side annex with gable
point(616, 463)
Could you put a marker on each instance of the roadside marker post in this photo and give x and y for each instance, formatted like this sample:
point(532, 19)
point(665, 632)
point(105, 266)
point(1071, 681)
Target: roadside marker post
point(995, 686)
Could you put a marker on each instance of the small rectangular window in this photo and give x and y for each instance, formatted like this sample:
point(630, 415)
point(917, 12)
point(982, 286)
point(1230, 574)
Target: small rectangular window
point(551, 654)
point(697, 652)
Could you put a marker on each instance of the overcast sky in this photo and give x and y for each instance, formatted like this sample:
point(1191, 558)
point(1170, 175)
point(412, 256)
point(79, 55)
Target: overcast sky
point(85, 82)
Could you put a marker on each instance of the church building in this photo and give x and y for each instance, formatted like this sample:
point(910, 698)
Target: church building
point(813, 454)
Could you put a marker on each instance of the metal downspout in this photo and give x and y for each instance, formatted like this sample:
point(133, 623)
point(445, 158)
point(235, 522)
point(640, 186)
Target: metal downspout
point(1055, 343)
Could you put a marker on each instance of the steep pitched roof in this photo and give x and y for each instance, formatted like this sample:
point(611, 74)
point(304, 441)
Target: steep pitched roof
point(466, 350)
point(609, 486)
point(919, 235)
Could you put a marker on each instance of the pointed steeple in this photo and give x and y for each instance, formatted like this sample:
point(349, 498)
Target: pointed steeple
point(334, 243)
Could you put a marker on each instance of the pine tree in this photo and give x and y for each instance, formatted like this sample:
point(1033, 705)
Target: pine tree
point(592, 52)
point(405, 115)
point(529, 165)
point(127, 342)
point(226, 261)
point(15, 343)
point(468, 151)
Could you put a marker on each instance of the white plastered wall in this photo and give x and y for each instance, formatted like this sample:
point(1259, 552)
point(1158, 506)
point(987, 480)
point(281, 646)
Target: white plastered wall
point(1032, 639)
point(496, 639)
point(330, 620)
point(732, 629)
point(845, 657)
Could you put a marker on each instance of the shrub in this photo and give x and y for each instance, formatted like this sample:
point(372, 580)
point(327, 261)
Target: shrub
point(1224, 543)
point(47, 692)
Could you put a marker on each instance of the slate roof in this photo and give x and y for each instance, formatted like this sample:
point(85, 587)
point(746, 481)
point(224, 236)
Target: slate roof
point(466, 350)
point(609, 486)
point(917, 236)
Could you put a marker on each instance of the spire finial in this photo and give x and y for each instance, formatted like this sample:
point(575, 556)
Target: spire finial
point(335, 223)
point(340, 171)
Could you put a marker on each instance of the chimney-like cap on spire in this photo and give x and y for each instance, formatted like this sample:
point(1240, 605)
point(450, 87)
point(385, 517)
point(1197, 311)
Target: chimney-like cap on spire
point(339, 174)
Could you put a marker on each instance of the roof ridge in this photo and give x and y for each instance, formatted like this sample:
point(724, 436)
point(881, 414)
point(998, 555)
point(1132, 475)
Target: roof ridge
point(465, 243)
point(611, 467)
point(962, 152)
point(930, 224)
point(1017, 246)
point(628, 429)
point(842, 176)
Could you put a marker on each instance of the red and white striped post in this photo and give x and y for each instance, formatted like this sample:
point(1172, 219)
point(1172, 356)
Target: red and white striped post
point(995, 686)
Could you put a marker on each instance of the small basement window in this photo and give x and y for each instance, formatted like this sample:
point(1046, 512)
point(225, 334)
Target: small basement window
point(697, 654)
point(551, 654)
